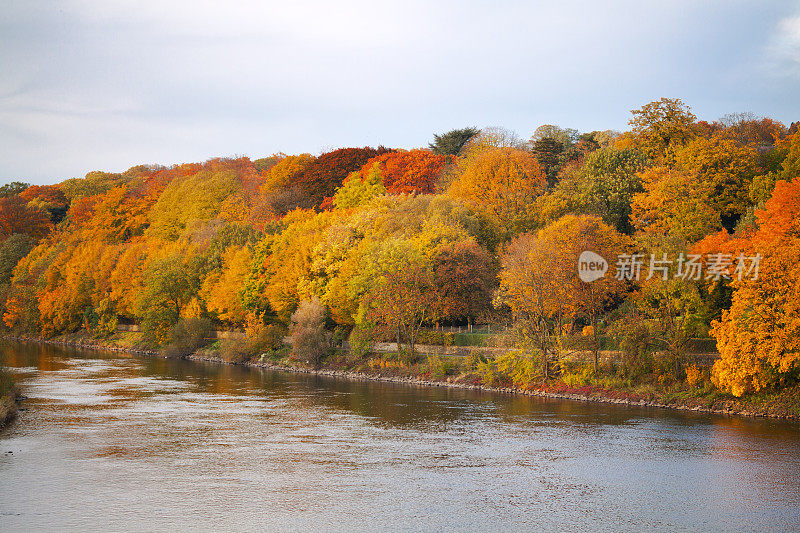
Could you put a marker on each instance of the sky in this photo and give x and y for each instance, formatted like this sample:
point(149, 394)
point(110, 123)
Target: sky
point(109, 84)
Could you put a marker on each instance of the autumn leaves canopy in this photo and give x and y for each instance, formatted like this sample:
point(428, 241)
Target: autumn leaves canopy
point(479, 226)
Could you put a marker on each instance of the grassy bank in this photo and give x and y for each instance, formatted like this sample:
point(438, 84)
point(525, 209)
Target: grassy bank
point(9, 397)
point(506, 374)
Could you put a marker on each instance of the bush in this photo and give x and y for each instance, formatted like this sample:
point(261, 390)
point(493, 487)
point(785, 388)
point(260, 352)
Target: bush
point(187, 336)
point(696, 375)
point(439, 367)
point(580, 377)
point(472, 360)
point(362, 339)
point(520, 369)
point(437, 338)
point(260, 339)
point(311, 341)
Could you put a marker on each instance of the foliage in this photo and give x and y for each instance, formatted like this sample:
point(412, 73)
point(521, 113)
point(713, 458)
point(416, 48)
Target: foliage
point(407, 171)
point(404, 299)
point(358, 241)
point(452, 142)
point(464, 276)
point(502, 184)
point(759, 337)
point(12, 250)
point(321, 177)
point(662, 126)
point(168, 286)
point(16, 216)
point(604, 186)
point(311, 342)
point(187, 336)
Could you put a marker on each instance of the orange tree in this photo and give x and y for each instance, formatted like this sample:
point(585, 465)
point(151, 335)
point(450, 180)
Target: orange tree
point(759, 337)
point(539, 279)
point(502, 185)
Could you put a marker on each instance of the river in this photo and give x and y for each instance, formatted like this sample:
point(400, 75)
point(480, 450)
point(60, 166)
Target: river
point(108, 442)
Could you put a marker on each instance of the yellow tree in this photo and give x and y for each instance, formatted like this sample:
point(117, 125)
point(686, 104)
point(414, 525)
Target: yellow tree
point(502, 184)
point(661, 126)
point(673, 207)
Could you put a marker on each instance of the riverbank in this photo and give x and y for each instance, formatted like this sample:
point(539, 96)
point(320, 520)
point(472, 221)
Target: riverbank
point(10, 398)
point(783, 404)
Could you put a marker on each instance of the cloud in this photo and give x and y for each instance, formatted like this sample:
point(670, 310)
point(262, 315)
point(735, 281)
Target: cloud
point(91, 84)
point(783, 50)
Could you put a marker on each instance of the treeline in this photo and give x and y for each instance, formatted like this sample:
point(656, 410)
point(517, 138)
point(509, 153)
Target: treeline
point(369, 244)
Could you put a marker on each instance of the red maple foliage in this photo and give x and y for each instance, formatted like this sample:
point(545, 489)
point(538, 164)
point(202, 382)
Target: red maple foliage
point(327, 172)
point(408, 171)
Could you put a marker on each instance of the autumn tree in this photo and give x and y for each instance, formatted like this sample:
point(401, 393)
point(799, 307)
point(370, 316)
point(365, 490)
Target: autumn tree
point(16, 216)
point(13, 188)
point(404, 299)
point(464, 276)
point(310, 339)
point(726, 169)
point(548, 152)
point(326, 173)
point(169, 284)
point(661, 126)
point(359, 188)
point(759, 337)
point(673, 207)
point(604, 185)
point(540, 282)
point(408, 171)
point(502, 184)
point(12, 250)
point(49, 198)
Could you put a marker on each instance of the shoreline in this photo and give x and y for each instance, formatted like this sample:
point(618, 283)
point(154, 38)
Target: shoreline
point(732, 407)
point(9, 407)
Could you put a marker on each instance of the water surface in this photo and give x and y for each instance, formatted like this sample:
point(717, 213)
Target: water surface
point(109, 442)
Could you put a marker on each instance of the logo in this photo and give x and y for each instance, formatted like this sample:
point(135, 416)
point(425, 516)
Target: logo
point(591, 266)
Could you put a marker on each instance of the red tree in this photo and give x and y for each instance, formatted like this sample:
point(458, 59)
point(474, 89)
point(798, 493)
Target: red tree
point(327, 172)
point(408, 171)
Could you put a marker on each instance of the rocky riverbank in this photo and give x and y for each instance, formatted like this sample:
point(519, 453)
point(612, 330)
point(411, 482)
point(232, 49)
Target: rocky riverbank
point(724, 406)
point(10, 399)
point(781, 405)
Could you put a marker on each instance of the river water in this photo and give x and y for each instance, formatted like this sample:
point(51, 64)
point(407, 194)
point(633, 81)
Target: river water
point(115, 443)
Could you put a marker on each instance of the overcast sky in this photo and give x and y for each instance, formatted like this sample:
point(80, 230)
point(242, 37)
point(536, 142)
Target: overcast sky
point(104, 85)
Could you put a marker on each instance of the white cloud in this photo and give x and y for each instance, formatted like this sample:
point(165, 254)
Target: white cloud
point(783, 50)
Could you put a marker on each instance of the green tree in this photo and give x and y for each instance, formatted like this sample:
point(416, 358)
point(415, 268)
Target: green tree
point(453, 141)
point(168, 286)
point(12, 250)
point(15, 187)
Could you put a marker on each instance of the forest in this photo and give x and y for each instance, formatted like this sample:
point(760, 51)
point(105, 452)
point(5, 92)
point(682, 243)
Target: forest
point(356, 246)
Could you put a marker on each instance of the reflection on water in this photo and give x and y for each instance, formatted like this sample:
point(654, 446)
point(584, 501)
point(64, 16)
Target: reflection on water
point(109, 442)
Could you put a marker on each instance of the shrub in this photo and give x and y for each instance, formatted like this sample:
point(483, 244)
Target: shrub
point(438, 338)
point(439, 367)
point(362, 339)
point(580, 377)
point(260, 339)
point(695, 375)
point(472, 360)
point(187, 336)
point(311, 341)
point(521, 369)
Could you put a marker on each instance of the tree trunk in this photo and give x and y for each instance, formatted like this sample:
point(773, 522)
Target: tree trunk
point(398, 339)
point(596, 344)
